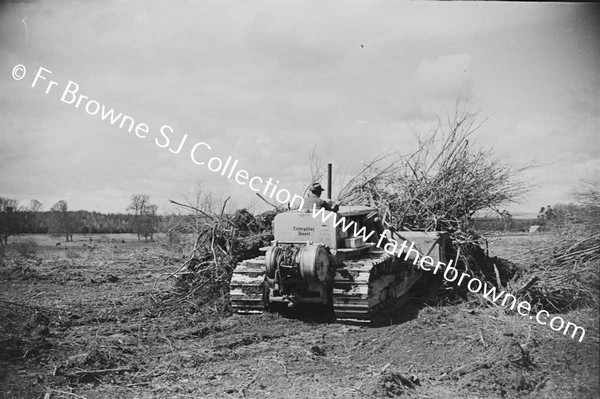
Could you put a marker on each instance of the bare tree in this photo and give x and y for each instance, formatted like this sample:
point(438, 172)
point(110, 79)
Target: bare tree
point(10, 221)
point(588, 192)
point(588, 196)
point(201, 201)
point(137, 204)
point(35, 205)
point(506, 219)
point(145, 219)
point(64, 219)
point(149, 221)
point(183, 229)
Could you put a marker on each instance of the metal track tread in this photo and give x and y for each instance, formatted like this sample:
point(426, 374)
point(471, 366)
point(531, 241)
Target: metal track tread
point(363, 287)
point(247, 285)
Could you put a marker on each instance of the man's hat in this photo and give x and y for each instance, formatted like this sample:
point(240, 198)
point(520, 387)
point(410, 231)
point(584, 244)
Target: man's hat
point(316, 187)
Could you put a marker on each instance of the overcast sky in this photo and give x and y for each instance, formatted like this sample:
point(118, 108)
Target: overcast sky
point(265, 82)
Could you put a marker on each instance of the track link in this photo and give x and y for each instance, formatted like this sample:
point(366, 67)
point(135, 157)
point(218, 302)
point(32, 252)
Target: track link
point(363, 287)
point(247, 286)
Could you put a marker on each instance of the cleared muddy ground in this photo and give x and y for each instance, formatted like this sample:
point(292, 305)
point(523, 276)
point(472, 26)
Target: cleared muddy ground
point(103, 321)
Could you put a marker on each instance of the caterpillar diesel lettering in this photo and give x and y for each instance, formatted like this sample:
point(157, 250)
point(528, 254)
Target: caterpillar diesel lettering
point(313, 261)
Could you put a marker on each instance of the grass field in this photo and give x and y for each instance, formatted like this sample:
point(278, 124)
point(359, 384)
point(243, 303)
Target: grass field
point(100, 319)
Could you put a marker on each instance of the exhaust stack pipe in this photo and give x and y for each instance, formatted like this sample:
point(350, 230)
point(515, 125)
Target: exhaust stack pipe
point(329, 193)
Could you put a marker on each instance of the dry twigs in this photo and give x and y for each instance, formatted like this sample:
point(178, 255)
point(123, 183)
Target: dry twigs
point(220, 241)
point(567, 270)
point(566, 273)
point(440, 187)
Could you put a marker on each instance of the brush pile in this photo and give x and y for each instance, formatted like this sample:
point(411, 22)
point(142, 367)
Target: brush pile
point(565, 274)
point(221, 240)
point(567, 277)
point(440, 187)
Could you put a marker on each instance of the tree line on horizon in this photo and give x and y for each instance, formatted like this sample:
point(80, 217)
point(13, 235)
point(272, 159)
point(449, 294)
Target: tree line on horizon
point(16, 219)
point(144, 221)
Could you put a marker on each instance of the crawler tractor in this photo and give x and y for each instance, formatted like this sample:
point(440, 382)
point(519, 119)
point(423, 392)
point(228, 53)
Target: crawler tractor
point(316, 262)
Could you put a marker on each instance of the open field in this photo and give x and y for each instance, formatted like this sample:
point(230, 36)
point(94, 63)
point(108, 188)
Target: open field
point(102, 321)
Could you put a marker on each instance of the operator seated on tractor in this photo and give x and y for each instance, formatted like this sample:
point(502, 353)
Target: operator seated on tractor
point(314, 199)
point(372, 221)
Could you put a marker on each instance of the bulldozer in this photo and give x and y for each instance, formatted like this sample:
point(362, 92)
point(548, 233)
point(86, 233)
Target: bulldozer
point(313, 260)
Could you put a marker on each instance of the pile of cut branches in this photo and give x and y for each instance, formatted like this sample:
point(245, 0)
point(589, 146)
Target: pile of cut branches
point(442, 184)
point(440, 187)
point(565, 273)
point(222, 240)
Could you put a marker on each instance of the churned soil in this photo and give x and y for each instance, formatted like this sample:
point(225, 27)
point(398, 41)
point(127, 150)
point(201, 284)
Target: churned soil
point(104, 321)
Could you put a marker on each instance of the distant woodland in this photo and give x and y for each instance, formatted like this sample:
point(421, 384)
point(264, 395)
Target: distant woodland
point(16, 219)
point(83, 222)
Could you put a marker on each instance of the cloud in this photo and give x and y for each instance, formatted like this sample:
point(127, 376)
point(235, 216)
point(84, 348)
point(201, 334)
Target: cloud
point(288, 42)
point(447, 76)
point(585, 101)
point(585, 108)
